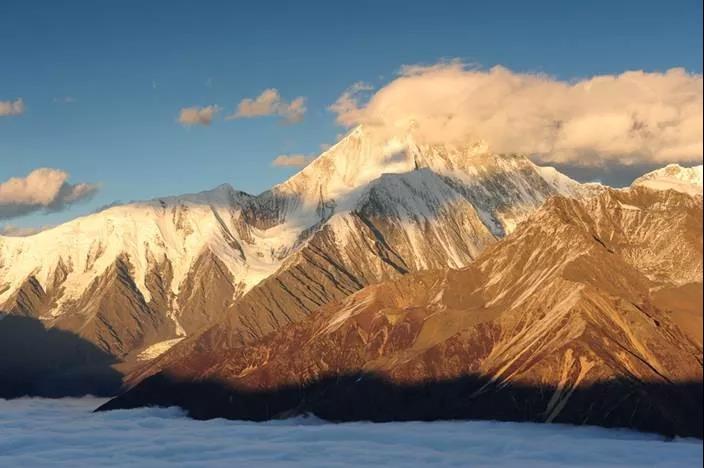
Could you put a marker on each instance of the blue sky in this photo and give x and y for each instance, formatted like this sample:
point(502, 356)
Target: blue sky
point(129, 67)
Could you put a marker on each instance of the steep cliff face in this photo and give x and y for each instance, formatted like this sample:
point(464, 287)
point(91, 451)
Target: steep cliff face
point(133, 276)
point(568, 319)
point(113, 315)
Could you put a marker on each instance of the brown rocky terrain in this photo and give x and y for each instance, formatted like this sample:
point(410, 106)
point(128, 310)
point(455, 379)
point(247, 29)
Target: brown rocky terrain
point(585, 314)
point(134, 278)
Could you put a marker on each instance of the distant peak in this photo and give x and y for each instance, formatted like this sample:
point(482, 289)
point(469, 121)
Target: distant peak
point(673, 177)
point(222, 188)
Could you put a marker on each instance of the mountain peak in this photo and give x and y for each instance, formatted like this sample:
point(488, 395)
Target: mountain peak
point(673, 177)
point(363, 155)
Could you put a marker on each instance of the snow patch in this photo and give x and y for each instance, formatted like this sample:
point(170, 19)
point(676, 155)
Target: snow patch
point(158, 349)
point(673, 177)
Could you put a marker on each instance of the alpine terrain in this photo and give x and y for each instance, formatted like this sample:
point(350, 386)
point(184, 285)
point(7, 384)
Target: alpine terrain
point(389, 280)
point(588, 313)
point(134, 279)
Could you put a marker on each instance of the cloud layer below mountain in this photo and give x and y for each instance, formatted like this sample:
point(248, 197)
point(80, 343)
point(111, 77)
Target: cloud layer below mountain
point(635, 117)
point(39, 432)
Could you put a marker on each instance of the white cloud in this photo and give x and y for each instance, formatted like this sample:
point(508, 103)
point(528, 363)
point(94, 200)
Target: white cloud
point(42, 432)
point(633, 117)
point(42, 189)
point(8, 108)
point(292, 160)
point(269, 102)
point(347, 106)
point(189, 116)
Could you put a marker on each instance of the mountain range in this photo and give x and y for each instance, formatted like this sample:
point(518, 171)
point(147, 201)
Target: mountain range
point(390, 280)
point(146, 273)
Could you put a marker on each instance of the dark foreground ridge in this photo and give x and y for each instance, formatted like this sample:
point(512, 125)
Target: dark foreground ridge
point(669, 409)
point(52, 363)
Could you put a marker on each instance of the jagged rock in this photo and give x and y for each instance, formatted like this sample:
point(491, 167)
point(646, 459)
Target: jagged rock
point(364, 211)
point(561, 321)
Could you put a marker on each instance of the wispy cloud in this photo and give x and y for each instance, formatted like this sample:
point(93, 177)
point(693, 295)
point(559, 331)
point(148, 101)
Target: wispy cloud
point(10, 230)
point(632, 118)
point(42, 189)
point(269, 102)
point(64, 100)
point(292, 160)
point(189, 116)
point(347, 107)
point(8, 108)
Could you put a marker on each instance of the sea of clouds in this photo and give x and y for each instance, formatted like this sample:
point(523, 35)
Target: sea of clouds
point(41, 432)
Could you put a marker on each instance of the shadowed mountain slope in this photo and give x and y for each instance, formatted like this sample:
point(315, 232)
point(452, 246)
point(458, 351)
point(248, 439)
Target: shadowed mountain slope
point(52, 363)
point(572, 306)
point(138, 277)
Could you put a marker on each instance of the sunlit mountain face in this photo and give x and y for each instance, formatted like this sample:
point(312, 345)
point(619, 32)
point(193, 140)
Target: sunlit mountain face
point(587, 300)
point(388, 233)
point(135, 278)
point(346, 270)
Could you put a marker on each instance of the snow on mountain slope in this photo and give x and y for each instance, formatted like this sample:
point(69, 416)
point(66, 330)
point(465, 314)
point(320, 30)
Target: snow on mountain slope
point(673, 177)
point(177, 228)
point(503, 187)
point(565, 320)
point(431, 206)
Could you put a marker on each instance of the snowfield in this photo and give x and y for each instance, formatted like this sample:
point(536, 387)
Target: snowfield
point(41, 432)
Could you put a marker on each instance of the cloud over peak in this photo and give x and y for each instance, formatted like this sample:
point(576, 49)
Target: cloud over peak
point(270, 102)
point(8, 108)
point(347, 105)
point(630, 118)
point(189, 116)
point(42, 189)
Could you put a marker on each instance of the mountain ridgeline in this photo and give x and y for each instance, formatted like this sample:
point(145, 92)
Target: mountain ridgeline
point(589, 313)
point(142, 274)
point(391, 280)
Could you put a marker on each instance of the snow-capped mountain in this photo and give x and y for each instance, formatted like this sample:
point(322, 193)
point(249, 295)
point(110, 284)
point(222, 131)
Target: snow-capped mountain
point(673, 177)
point(146, 273)
point(588, 313)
